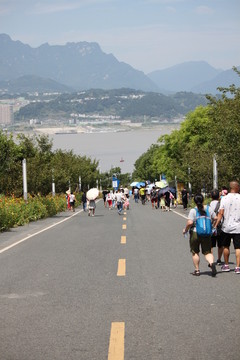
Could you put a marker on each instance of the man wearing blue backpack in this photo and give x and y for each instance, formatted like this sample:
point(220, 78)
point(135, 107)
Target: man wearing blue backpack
point(199, 223)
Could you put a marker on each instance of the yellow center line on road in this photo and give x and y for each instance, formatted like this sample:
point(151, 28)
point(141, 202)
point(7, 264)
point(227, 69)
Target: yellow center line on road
point(124, 213)
point(124, 226)
point(116, 343)
point(123, 239)
point(121, 267)
point(124, 219)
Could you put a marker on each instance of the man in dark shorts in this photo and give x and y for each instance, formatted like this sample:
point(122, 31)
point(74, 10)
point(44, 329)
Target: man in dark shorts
point(229, 211)
point(216, 237)
point(142, 194)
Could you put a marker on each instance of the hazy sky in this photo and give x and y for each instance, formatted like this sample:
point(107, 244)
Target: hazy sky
point(147, 34)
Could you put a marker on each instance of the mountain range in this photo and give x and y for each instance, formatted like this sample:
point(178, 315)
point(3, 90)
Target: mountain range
point(83, 65)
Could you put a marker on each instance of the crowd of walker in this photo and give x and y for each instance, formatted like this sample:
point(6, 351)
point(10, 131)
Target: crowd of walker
point(207, 227)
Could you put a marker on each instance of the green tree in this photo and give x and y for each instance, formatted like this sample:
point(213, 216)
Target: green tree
point(207, 131)
point(10, 164)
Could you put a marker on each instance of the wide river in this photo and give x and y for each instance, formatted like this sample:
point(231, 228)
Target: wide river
point(110, 147)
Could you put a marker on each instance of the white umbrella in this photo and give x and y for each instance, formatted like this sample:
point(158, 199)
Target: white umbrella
point(92, 194)
point(161, 184)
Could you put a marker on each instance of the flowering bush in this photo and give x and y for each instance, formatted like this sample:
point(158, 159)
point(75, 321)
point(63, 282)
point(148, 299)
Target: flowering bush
point(16, 212)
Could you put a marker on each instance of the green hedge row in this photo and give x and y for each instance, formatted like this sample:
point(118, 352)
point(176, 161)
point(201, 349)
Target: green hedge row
point(16, 212)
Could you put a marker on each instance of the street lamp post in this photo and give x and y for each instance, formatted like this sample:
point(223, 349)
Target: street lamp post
point(80, 183)
point(24, 167)
point(189, 183)
point(53, 184)
point(215, 173)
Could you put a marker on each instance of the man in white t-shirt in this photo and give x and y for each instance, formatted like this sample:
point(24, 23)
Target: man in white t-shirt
point(229, 211)
point(72, 200)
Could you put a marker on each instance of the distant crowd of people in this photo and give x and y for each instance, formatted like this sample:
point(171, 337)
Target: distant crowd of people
point(160, 198)
point(118, 199)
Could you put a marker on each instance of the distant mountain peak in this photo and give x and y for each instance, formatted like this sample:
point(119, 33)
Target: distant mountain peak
point(81, 65)
point(184, 76)
point(5, 37)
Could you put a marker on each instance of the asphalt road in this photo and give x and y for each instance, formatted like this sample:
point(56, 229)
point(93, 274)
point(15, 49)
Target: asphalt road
point(79, 287)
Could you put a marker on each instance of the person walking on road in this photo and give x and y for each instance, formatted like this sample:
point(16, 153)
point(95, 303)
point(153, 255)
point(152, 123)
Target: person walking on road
point(72, 200)
point(229, 211)
point(126, 192)
point(84, 201)
point(154, 198)
point(216, 236)
point(91, 207)
point(184, 198)
point(104, 195)
point(119, 199)
point(196, 240)
point(167, 200)
point(113, 199)
point(136, 194)
point(109, 200)
point(142, 194)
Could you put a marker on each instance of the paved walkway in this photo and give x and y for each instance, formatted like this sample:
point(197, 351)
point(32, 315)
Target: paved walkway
point(113, 287)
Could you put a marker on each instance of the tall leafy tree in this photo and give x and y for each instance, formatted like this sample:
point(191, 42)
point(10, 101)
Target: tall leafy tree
point(188, 153)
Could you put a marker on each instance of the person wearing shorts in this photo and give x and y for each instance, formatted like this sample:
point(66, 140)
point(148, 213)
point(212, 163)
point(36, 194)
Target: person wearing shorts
point(153, 197)
point(229, 211)
point(72, 200)
point(196, 242)
point(216, 236)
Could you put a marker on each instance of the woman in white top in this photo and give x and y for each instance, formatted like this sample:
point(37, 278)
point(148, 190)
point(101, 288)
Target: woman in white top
point(72, 200)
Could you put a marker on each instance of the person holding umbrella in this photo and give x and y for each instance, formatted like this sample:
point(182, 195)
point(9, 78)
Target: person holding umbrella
point(92, 195)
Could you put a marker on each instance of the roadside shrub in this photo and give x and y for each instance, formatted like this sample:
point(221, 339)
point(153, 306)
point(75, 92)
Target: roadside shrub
point(17, 212)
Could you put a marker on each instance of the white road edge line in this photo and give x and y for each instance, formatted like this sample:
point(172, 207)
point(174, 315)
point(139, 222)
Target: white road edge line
point(39, 232)
point(175, 212)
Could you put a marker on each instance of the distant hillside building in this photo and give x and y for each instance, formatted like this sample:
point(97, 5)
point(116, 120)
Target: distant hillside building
point(6, 114)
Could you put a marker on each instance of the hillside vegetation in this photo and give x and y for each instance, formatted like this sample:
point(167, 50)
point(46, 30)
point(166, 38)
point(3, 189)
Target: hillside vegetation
point(188, 153)
point(120, 103)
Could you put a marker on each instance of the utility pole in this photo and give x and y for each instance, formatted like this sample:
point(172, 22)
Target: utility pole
point(80, 183)
point(215, 173)
point(189, 183)
point(24, 167)
point(53, 184)
point(176, 186)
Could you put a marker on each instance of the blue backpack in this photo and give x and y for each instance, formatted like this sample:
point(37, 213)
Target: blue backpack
point(203, 223)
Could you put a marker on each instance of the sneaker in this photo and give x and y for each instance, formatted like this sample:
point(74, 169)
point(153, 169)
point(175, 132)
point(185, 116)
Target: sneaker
point(225, 268)
point(214, 270)
point(219, 262)
point(237, 270)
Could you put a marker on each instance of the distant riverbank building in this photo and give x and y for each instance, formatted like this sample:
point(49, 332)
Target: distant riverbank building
point(6, 114)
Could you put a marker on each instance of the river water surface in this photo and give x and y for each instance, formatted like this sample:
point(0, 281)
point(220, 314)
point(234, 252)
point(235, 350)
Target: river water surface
point(110, 147)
